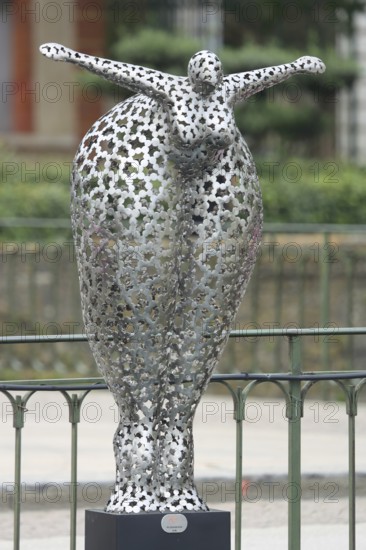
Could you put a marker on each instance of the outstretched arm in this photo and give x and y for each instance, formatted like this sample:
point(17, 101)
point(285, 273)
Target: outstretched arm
point(133, 77)
point(240, 86)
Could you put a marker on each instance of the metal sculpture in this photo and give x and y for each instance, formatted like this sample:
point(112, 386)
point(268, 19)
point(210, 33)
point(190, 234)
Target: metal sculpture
point(167, 216)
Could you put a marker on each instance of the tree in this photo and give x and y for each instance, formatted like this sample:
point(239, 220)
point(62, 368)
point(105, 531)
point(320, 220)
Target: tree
point(296, 118)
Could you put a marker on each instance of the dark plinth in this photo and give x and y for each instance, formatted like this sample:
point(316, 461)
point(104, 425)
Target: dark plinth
point(107, 531)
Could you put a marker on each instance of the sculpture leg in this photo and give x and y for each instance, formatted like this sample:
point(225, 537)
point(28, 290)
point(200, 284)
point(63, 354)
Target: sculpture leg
point(134, 448)
point(154, 467)
point(177, 489)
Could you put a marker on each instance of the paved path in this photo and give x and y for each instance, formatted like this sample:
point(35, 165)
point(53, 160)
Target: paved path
point(46, 467)
point(262, 529)
point(46, 439)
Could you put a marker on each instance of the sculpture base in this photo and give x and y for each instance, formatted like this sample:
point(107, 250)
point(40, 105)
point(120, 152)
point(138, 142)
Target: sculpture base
point(157, 530)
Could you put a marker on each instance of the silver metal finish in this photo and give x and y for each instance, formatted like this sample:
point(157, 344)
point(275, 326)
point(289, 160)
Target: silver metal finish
point(167, 218)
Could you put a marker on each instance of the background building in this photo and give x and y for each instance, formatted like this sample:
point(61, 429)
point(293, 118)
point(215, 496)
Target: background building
point(351, 108)
point(43, 105)
point(46, 106)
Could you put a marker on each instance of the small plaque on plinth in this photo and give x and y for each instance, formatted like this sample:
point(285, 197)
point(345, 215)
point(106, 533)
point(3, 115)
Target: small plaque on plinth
point(157, 531)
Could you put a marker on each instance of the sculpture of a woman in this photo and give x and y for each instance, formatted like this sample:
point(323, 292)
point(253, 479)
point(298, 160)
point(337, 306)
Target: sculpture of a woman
point(167, 216)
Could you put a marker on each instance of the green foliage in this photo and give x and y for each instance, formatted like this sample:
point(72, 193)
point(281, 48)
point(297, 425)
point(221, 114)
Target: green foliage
point(265, 117)
point(340, 71)
point(40, 200)
point(291, 116)
point(254, 34)
point(33, 189)
point(299, 191)
point(296, 190)
point(170, 52)
point(298, 24)
point(157, 49)
point(34, 200)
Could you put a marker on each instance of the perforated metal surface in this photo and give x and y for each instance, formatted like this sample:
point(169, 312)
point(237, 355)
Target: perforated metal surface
point(167, 215)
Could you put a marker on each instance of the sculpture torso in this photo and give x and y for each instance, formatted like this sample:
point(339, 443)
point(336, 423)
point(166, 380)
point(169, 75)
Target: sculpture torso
point(165, 254)
point(169, 250)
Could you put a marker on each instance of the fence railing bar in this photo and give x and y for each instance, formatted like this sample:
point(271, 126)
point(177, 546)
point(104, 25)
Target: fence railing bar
point(278, 307)
point(294, 448)
point(351, 264)
point(325, 267)
point(43, 338)
point(305, 376)
point(46, 387)
point(311, 331)
point(261, 333)
point(58, 381)
point(17, 475)
point(216, 377)
point(340, 375)
point(238, 407)
point(352, 411)
point(74, 458)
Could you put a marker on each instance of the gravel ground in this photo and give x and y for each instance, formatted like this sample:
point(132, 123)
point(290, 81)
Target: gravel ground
point(259, 515)
point(264, 526)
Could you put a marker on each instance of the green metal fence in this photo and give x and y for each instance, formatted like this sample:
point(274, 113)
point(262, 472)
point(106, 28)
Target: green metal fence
point(306, 275)
point(294, 385)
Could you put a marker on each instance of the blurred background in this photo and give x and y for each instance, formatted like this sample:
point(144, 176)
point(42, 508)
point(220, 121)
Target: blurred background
point(307, 136)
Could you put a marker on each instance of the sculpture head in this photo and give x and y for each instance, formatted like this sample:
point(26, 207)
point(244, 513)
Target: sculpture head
point(205, 72)
point(201, 120)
